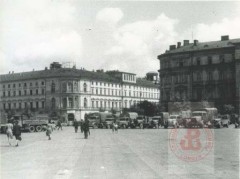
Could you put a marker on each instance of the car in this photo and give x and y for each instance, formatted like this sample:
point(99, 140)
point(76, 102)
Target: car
point(155, 122)
point(225, 120)
point(108, 122)
point(123, 122)
point(138, 122)
point(173, 121)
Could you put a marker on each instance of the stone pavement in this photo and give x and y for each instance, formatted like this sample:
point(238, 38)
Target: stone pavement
point(130, 153)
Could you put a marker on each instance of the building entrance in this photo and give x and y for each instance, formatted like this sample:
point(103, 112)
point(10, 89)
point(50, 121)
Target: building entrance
point(70, 117)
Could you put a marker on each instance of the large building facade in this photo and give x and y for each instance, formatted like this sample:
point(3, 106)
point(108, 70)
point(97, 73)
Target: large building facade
point(74, 92)
point(207, 71)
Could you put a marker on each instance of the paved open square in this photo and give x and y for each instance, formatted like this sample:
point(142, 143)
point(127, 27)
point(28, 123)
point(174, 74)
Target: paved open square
point(130, 153)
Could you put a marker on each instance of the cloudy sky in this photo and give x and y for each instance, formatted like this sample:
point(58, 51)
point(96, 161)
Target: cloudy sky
point(108, 35)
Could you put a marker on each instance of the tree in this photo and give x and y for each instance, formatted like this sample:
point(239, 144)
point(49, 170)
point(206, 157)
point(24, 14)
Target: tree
point(150, 109)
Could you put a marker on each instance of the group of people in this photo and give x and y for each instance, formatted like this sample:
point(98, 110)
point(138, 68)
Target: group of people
point(84, 125)
point(13, 130)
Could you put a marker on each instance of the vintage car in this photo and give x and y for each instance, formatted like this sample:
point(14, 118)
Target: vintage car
point(154, 122)
point(123, 122)
point(225, 120)
point(172, 121)
point(108, 122)
point(138, 122)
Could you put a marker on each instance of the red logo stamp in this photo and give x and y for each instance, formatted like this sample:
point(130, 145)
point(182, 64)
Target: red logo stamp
point(191, 145)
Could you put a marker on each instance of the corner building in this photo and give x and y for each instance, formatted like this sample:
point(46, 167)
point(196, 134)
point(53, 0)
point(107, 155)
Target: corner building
point(73, 92)
point(207, 71)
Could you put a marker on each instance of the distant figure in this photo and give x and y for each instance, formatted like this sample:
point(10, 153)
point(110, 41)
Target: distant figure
point(48, 131)
point(59, 124)
point(17, 132)
point(115, 127)
point(9, 131)
point(86, 128)
point(81, 125)
point(75, 124)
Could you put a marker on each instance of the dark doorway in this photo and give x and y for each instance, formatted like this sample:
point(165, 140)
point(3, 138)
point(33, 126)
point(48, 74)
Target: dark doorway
point(71, 117)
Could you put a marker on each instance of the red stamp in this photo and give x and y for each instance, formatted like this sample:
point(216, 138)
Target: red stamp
point(191, 145)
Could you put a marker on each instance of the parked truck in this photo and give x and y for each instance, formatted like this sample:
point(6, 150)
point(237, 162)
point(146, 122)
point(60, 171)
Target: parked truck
point(97, 119)
point(202, 117)
point(35, 123)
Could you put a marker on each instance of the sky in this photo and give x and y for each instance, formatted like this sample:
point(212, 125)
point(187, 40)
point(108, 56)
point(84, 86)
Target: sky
point(111, 35)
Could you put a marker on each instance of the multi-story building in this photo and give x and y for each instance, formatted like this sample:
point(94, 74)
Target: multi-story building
point(74, 92)
point(207, 71)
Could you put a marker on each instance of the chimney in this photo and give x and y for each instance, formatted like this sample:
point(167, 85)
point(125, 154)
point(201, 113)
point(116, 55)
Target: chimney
point(224, 37)
point(172, 47)
point(195, 42)
point(178, 44)
point(185, 42)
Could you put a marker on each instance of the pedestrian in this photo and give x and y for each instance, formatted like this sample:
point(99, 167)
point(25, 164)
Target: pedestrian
point(9, 130)
point(114, 127)
point(86, 128)
point(81, 125)
point(17, 132)
point(48, 131)
point(75, 124)
point(59, 124)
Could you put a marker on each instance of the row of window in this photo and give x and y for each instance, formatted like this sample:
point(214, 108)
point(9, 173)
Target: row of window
point(24, 105)
point(24, 92)
point(14, 85)
point(197, 61)
point(103, 91)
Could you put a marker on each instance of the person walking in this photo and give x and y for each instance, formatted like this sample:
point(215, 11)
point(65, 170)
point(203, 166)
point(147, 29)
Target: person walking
point(17, 132)
point(9, 131)
point(81, 125)
point(48, 131)
point(86, 128)
point(59, 124)
point(75, 124)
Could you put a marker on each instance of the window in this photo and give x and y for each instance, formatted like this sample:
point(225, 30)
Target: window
point(180, 63)
point(199, 78)
point(70, 101)
point(25, 84)
point(97, 104)
point(14, 93)
point(31, 105)
point(221, 59)
point(30, 83)
point(43, 91)
point(209, 76)
point(42, 82)
point(3, 86)
point(64, 87)
point(4, 106)
point(85, 102)
point(64, 102)
point(9, 93)
point(19, 105)
point(14, 105)
point(209, 60)
point(36, 84)
point(19, 85)
point(3, 93)
point(31, 92)
point(92, 104)
point(9, 85)
point(20, 93)
point(85, 87)
point(36, 91)
point(53, 87)
point(53, 103)
point(9, 105)
point(14, 85)
point(70, 87)
point(37, 105)
point(96, 91)
point(25, 92)
point(25, 105)
point(43, 104)
point(198, 61)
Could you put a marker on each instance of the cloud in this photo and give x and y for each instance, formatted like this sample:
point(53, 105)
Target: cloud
point(136, 45)
point(110, 15)
point(39, 31)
